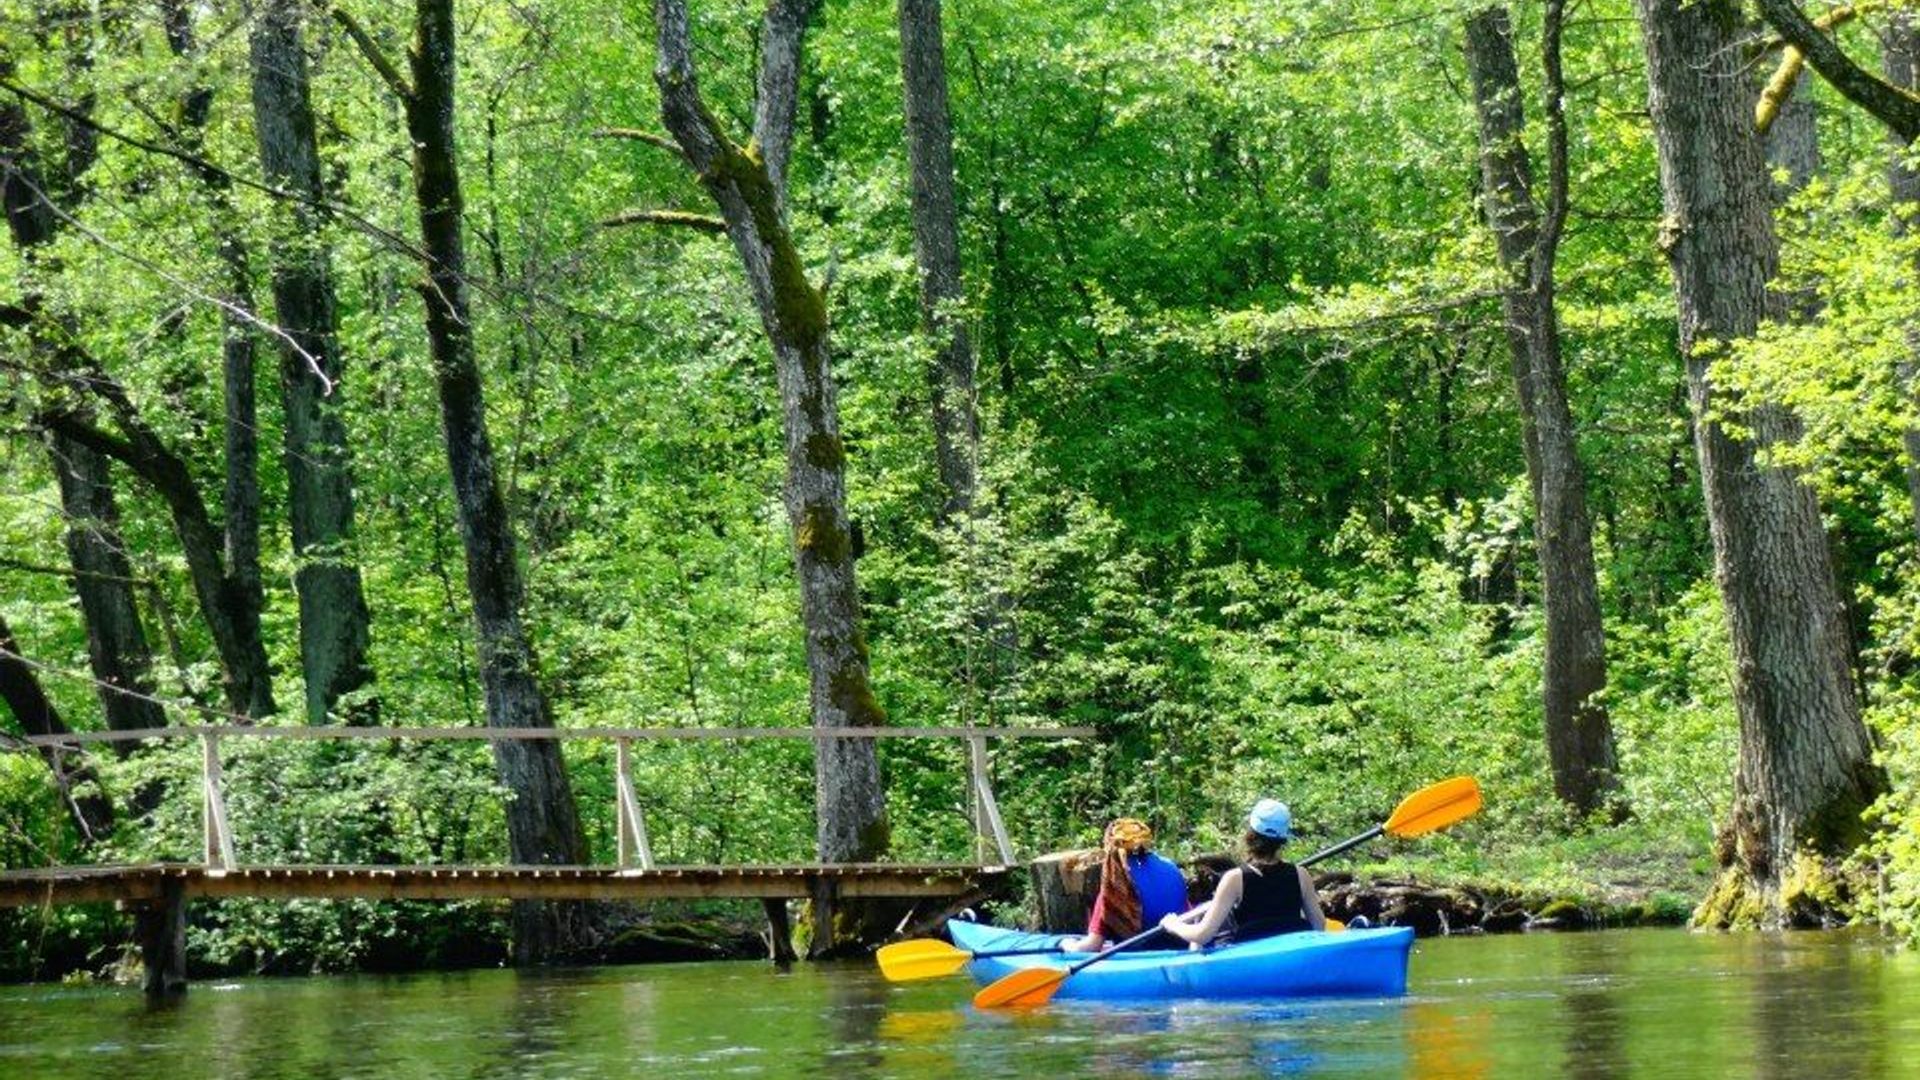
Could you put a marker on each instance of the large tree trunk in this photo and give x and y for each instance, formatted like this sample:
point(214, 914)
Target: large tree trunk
point(73, 776)
point(849, 797)
point(543, 825)
point(1579, 733)
point(1805, 771)
point(936, 247)
point(333, 609)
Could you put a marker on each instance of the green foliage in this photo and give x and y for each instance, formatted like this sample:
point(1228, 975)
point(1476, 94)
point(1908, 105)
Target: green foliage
point(1257, 503)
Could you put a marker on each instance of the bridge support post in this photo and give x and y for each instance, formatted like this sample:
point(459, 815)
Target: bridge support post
point(213, 808)
point(779, 933)
point(630, 825)
point(986, 809)
point(160, 925)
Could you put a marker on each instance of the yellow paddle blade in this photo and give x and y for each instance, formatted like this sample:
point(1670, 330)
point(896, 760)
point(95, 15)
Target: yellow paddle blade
point(1435, 807)
point(1335, 926)
point(922, 958)
point(1028, 986)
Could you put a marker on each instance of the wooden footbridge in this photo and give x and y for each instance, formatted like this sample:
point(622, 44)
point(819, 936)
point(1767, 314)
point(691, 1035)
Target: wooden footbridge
point(157, 894)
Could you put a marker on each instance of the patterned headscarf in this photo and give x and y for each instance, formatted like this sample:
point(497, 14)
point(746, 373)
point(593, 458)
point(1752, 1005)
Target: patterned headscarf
point(1120, 900)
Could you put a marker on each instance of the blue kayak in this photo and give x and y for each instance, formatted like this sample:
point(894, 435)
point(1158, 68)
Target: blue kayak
point(1351, 963)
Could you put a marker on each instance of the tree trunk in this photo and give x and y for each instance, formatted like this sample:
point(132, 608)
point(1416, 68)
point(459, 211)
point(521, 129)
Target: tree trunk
point(232, 616)
point(1903, 183)
point(1793, 144)
point(103, 578)
point(238, 350)
point(936, 247)
point(333, 609)
point(79, 786)
point(543, 825)
point(1805, 771)
point(849, 798)
point(1579, 732)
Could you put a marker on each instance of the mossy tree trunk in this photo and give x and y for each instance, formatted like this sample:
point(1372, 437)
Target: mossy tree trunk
point(745, 184)
point(1580, 745)
point(1805, 772)
point(333, 606)
point(543, 823)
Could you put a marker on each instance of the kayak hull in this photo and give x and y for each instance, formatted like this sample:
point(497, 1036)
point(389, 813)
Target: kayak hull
point(1348, 963)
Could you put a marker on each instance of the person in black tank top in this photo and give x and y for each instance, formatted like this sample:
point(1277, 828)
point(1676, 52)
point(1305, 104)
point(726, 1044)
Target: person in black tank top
point(1262, 897)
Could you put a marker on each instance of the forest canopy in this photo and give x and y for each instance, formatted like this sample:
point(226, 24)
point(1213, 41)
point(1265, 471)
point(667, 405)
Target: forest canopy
point(1310, 397)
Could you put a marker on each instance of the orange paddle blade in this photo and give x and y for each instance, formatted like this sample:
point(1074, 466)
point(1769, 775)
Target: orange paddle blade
point(1435, 807)
point(1334, 926)
point(922, 958)
point(1028, 986)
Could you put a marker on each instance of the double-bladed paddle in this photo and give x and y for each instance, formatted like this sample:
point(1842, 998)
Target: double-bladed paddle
point(925, 958)
point(1430, 809)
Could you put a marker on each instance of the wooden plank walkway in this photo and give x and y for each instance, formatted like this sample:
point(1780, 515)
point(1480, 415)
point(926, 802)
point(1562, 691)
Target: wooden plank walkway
point(153, 882)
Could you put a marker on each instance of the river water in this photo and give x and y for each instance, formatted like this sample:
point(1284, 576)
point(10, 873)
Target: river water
point(1636, 1003)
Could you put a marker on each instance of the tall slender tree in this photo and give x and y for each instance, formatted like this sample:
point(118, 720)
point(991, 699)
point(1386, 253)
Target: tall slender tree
point(936, 248)
point(543, 824)
point(747, 184)
point(240, 502)
point(333, 607)
point(1580, 743)
point(1805, 771)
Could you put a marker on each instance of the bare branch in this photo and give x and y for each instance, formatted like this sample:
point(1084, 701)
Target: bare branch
point(697, 222)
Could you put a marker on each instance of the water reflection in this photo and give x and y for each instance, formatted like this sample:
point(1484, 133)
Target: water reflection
point(1814, 1002)
point(1595, 1042)
point(1448, 1042)
point(1608, 1005)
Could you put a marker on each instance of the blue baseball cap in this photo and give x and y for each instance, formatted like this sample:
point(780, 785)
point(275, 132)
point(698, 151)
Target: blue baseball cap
point(1271, 818)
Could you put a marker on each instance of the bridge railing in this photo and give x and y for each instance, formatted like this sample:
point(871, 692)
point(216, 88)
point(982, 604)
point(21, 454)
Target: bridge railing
point(633, 849)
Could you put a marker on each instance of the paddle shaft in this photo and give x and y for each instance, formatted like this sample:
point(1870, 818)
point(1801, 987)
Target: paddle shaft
point(1012, 952)
point(1129, 943)
point(1345, 845)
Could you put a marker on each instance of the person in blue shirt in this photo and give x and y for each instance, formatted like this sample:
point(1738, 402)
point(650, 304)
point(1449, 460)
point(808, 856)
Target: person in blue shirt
point(1137, 888)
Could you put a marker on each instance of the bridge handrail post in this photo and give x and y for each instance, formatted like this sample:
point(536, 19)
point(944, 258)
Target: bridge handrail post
point(631, 823)
point(213, 807)
point(986, 808)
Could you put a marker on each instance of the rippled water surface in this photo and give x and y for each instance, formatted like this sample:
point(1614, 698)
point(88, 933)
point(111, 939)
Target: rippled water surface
point(1641, 1003)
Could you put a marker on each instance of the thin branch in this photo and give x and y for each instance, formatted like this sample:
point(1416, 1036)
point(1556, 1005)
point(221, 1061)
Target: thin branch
point(697, 222)
point(384, 236)
point(396, 81)
point(648, 137)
